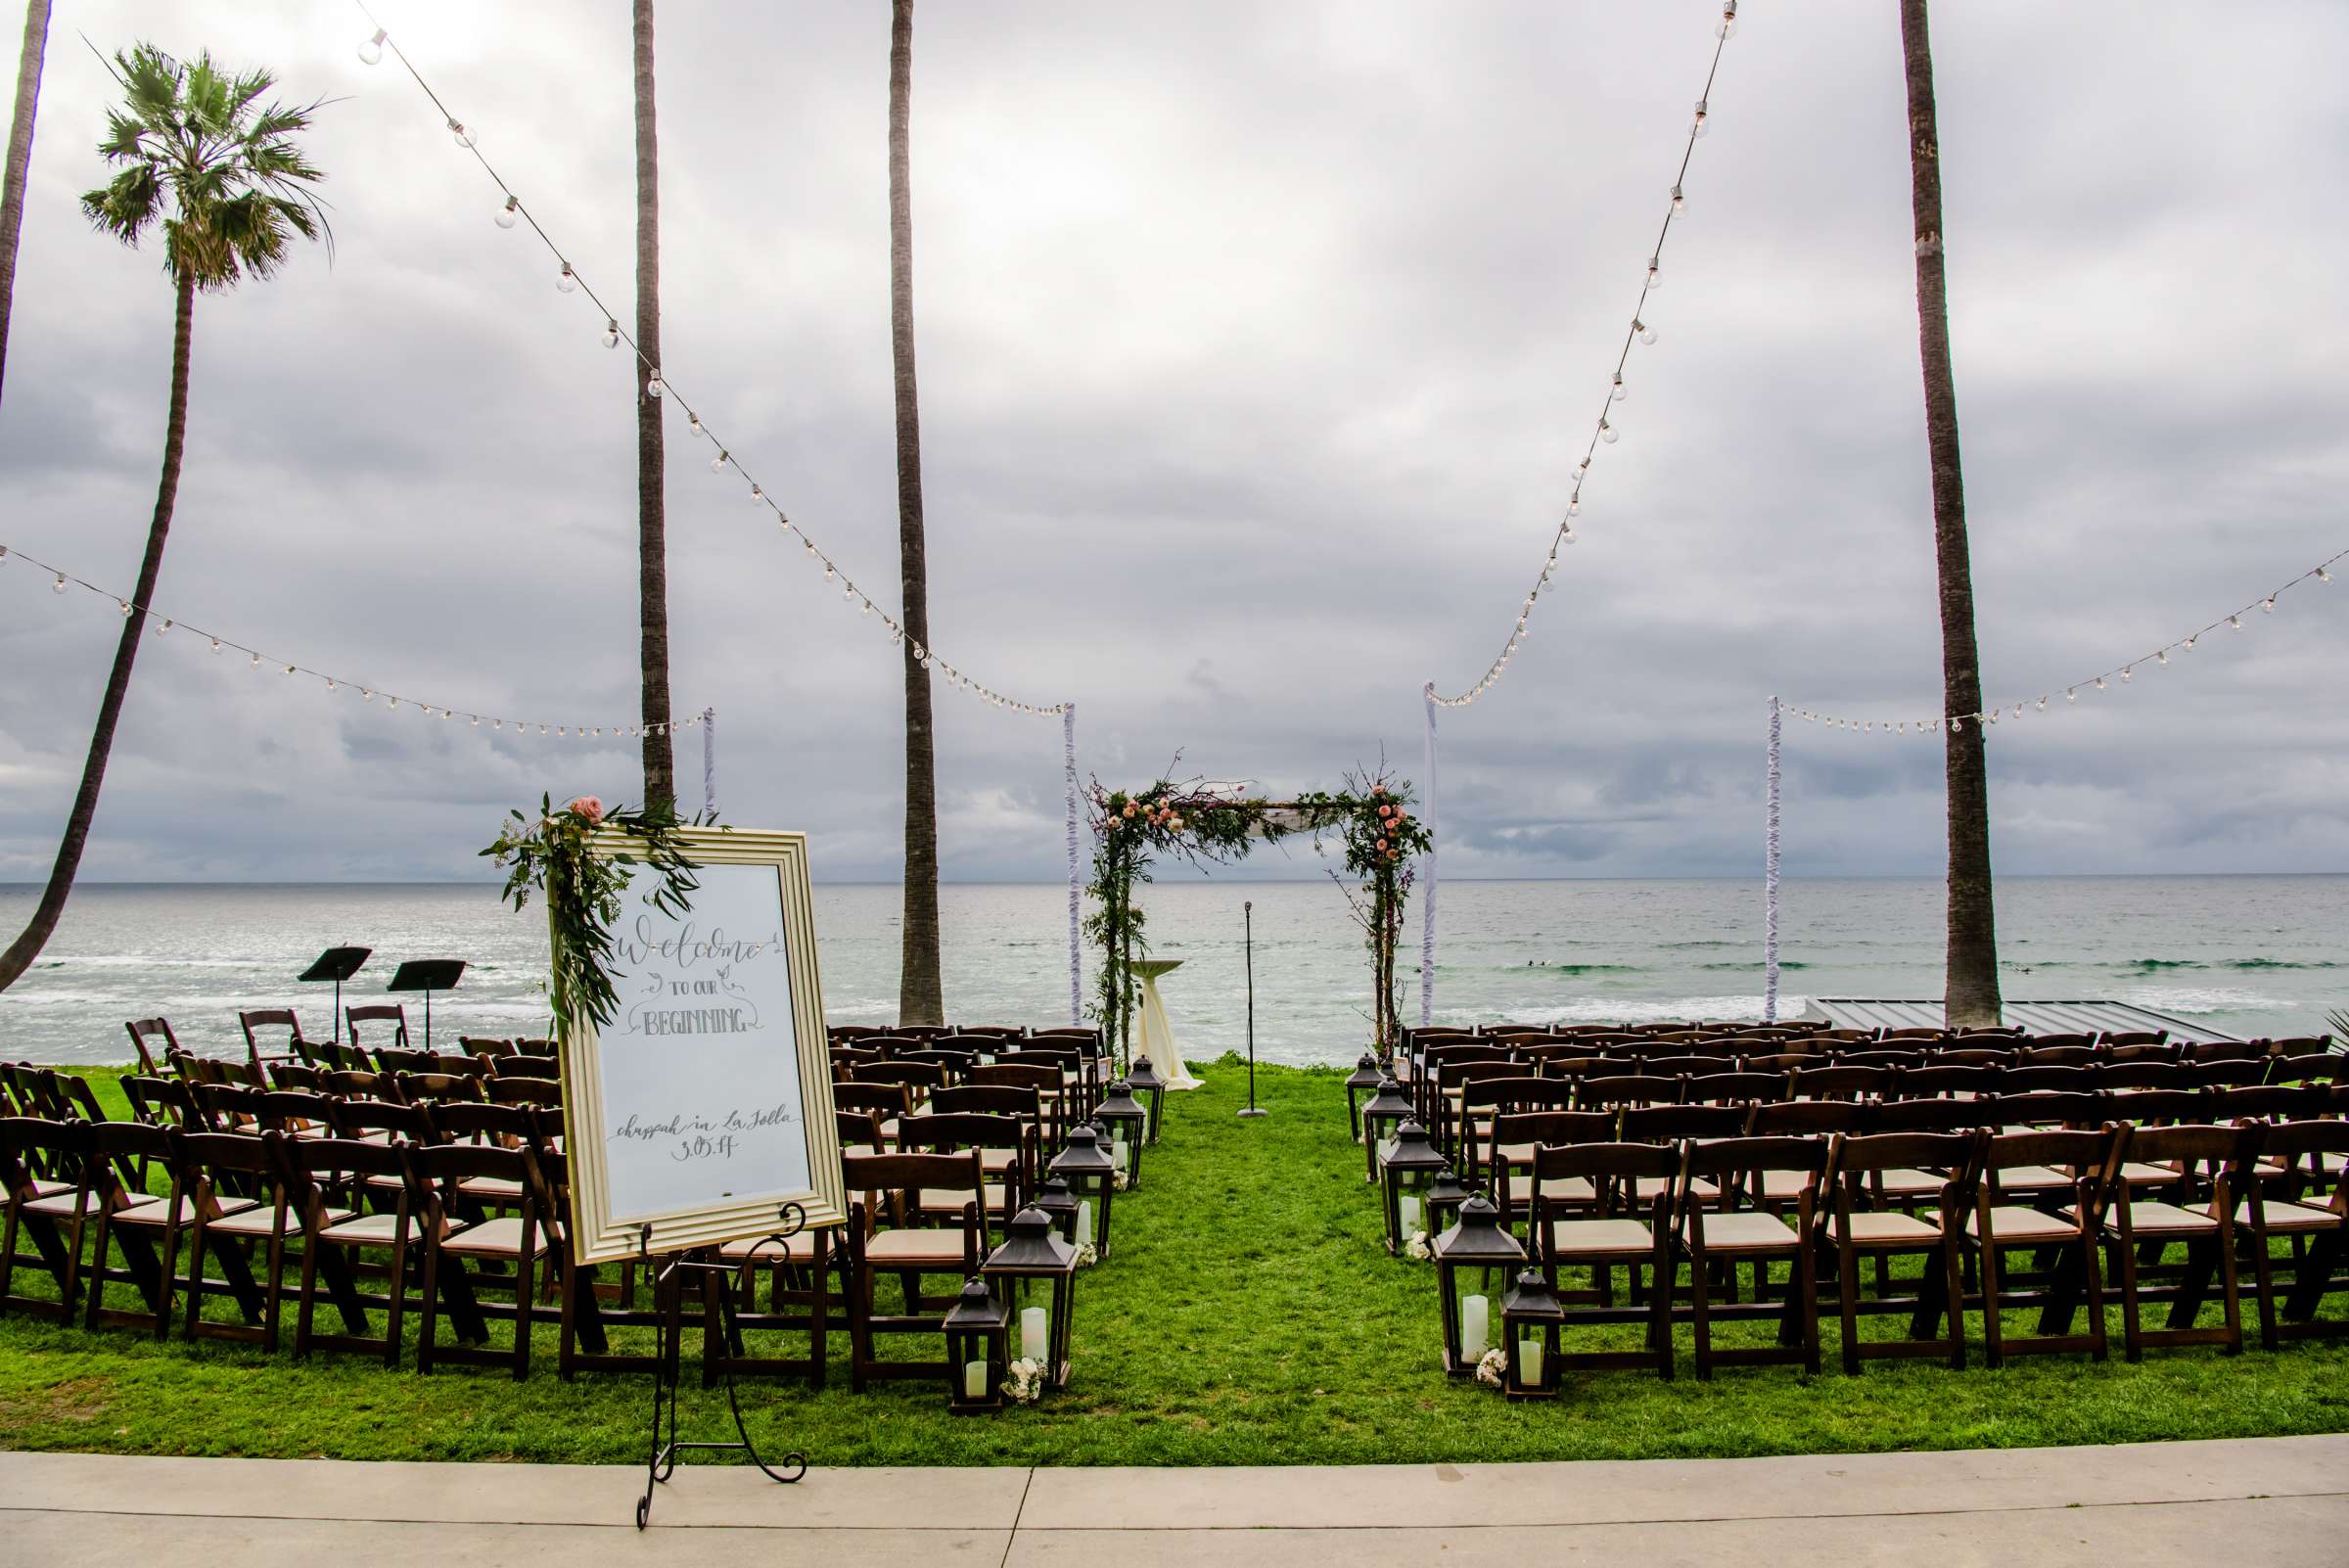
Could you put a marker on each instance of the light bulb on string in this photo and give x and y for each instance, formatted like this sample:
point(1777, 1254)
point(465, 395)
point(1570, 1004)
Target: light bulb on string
point(58, 586)
point(1679, 203)
point(758, 494)
point(1642, 331)
point(655, 387)
point(1618, 391)
point(828, 571)
point(1608, 432)
point(1655, 273)
point(2071, 694)
point(162, 627)
point(2323, 573)
point(2162, 654)
point(2235, 621)
point(371, 50)
point(1697, 131)
point(330, 683)
point(694, 424)
point(543, 729)
point(122, 605)
point(2267, 603)
point(508, 214)
point(2043, 704)
point(254, 661)
point(464, 136)
point(717, 464)
point(2125, 673)
point(289, 669)
point(2188, 644)
point(1728, 22)
point(2100, 683)
point(611, 333)
point(566, 280)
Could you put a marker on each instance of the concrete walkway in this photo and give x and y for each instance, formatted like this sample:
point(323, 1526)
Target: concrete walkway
point(2270, 1500)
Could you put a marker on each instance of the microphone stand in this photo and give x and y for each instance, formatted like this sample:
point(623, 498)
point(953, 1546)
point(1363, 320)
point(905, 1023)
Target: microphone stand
point(1248, 919)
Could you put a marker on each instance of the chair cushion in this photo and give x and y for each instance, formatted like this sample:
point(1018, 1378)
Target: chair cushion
point(1904, 1183)
point(794, 1249)
point(63, 1205)
point(1571, 1237)
point(2292, 1216)
point(2150, 1219)
point(1891, 1225)
point(377, 1229)
point(950, 1200)
point(155, 1211)
point(1785, 1186)
point(2014, 1223)
point(1747, 1232)
point(2034, 1179)
point(258, 1220)
point(915, 1249)
point(491, 1238)
point(496, 1189)
point(1574, 1189)
point(1646, 1187)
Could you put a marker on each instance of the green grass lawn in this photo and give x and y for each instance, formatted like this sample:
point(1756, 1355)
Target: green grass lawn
point(1249, 1317)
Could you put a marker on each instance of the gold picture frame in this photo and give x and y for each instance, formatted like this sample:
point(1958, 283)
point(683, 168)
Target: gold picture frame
point(676, 1121)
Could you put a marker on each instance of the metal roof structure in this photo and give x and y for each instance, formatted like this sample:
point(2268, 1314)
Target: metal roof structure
point(2037, 1017)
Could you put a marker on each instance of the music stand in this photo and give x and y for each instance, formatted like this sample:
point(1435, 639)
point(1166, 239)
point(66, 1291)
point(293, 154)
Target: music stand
point(427, 975)
point(337, 965)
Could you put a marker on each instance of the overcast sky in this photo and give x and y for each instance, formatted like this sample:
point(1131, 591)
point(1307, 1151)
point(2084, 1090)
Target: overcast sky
point(1255, 346)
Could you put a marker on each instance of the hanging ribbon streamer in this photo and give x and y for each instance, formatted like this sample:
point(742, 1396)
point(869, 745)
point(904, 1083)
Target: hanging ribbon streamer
point(1427, 904)
point(1769, 880)
point(709, 762)
point(1067, 765)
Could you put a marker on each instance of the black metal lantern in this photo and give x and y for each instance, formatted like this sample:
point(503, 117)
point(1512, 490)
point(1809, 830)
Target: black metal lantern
point(1388, 1109)
point(1444, 1195)
point(1407, 1170)
point(978, 1351)
point(1150, 1086)
point(1530, 1320)
point(1052, 1195)
point(1129, 1124)
point(1032, 1255)
point(1363, 1080)
point(1092, 1180)
point(1479, 1241)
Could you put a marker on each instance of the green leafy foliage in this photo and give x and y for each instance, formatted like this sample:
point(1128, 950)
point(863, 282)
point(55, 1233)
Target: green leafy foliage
point(581, 860)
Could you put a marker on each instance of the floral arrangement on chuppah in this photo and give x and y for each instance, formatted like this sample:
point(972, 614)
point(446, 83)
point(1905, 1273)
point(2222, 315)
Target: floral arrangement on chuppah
point(551, 854)
point(1215, 823)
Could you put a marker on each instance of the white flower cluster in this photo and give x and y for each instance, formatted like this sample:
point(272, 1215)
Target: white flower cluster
point(1087, 1254)
point(1027, 1381)
point(1493, 1367)
point(1415, 1249)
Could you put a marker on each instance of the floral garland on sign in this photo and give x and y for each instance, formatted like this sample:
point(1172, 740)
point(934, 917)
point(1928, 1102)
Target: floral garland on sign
point(553, 854)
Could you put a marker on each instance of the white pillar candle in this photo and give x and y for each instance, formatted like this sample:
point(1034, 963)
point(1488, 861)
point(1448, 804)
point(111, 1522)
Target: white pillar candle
point(974, 1380)
point(1034, 1343)
point(1118, 1150)
point(1529, 1360)
point(1475, 1320)
point(1084, 1222)
point(1408, 1208)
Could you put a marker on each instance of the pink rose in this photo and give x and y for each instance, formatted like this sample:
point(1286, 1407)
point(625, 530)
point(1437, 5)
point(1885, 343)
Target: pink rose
point(588, 806)
point(1382, 846)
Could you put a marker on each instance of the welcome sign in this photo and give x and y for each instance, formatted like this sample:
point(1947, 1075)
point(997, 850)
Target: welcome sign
point(706, 1106)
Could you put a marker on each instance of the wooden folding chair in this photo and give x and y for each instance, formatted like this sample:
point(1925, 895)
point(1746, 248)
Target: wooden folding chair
point(1615, 1230)
point(882, 1239)
point(451, 1181)
point(45, 1210)
point(391, 1013)
point(147, 1029)
point(125, 1217)
point(1007, 1156)
point(252, 1020)
point(1714, 1230)
point(1884, 1232)
point(2209, 1162)
point(2301, 1161)
point(237, 1189)
point(2069, 1233)
point(335, 1237)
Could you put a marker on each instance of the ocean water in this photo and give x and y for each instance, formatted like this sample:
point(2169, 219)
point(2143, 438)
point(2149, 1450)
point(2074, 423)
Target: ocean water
point(2244, 955)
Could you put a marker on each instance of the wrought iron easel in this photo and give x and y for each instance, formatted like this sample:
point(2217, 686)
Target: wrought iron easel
point(668, 1330)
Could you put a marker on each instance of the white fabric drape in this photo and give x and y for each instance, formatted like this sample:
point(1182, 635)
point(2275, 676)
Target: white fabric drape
point(1769, 880)
point(1068, 763)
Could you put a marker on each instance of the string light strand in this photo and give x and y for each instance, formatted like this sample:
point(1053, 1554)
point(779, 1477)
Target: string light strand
point(657, 384)
point(256, 659)
point(1604, 431)
point(2046, 703)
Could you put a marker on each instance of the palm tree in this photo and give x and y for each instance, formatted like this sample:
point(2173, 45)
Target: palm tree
point(652, 509)
point(1970, 994)
point(20, 159)
point(921, 995)
point(229, 188)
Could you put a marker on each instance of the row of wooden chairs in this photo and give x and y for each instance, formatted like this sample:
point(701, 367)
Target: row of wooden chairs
point(2088, 1204)
point(152, 1042)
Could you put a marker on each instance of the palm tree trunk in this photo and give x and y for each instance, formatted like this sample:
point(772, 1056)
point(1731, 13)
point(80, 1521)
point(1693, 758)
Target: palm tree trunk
point(921, 995)
point(652, 508)
point(27, 947)
point(1971, 988)
point(19, 160)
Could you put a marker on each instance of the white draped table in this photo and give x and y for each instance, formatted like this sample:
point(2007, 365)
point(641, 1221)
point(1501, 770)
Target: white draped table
point(1154, 1037)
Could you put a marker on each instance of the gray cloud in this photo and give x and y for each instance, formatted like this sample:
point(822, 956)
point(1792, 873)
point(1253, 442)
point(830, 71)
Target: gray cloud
point(1255, 346)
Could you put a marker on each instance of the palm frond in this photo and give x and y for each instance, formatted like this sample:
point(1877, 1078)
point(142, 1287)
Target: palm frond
point(208, 161)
